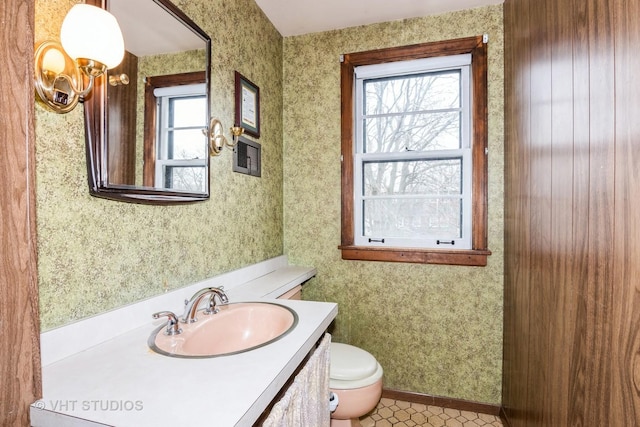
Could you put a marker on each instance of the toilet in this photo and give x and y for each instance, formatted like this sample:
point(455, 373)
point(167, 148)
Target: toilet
point(355, 376)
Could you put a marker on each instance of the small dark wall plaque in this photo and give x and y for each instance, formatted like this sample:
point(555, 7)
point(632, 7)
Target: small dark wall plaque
point(247, 105)
point(247, 157)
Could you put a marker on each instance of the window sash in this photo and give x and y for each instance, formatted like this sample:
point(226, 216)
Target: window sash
point(399, 69)
point(414, 66)
point(165, 150)
point(165, 167)
point(166, 130)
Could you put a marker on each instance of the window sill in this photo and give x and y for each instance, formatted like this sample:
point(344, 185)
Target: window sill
point(475, 258)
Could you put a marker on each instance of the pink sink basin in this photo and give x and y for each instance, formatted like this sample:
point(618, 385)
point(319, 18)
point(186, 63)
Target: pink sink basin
point(237, 328)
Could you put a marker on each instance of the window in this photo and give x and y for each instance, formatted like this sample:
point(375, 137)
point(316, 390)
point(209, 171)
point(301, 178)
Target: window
point(182, 148)
point(175, 146)
point(414, 167)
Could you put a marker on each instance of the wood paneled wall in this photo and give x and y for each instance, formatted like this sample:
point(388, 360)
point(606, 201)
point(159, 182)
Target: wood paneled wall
point(20, 378)
point(572, 213)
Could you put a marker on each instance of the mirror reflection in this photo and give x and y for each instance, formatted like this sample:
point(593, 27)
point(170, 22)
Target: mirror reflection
point(155, 106)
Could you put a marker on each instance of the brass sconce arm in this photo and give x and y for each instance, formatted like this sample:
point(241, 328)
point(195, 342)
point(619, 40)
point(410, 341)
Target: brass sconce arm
point(217, 140)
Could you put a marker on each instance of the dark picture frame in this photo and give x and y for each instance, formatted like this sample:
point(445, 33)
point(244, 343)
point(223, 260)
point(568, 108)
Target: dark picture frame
point(247, 105)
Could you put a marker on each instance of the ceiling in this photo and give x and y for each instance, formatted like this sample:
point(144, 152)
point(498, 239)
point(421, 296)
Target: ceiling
point(296, 17)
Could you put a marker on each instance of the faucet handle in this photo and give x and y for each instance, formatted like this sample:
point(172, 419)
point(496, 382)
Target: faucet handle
point(212, 307)
point(224, 299)
point(173, 328)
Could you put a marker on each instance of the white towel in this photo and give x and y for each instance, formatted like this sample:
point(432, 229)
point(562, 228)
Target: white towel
point(306, 402)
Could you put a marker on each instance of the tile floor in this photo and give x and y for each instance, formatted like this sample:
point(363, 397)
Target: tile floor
point(397, 413)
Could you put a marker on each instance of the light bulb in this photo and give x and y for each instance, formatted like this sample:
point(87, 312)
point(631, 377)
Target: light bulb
point(90, 32)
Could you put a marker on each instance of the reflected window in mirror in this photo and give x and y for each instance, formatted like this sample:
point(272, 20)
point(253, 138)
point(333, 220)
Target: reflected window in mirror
point(182, 146)
point(175, 147)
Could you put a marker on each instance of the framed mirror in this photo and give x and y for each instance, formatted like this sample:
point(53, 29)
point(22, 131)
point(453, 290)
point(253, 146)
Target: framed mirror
point(146, 120)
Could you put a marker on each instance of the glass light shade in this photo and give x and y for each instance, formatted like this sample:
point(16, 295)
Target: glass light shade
point(91, 32)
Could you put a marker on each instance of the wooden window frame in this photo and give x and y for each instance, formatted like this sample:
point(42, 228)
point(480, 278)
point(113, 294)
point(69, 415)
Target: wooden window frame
point(477, 255)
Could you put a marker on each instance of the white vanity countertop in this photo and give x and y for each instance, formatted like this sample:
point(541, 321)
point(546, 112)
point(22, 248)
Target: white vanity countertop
point(121, 382)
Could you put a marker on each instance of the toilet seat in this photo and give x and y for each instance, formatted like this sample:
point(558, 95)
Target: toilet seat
point(352, 367)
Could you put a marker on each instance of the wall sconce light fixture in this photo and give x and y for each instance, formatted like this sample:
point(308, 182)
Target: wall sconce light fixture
point(91, 43)
point(217, 140)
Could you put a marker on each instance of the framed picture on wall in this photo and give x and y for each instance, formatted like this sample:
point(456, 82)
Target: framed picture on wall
point(247, 105)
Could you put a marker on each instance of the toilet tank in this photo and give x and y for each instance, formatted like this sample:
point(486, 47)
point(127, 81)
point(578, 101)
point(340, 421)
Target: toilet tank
point(295, 294)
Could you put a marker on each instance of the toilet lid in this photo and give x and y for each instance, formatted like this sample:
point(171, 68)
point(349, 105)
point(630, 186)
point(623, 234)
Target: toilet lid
point(349, 363)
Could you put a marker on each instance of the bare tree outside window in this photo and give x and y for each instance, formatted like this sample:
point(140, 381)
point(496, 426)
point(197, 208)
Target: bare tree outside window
point(416, 113)
point(416, 197)
point(185, 178)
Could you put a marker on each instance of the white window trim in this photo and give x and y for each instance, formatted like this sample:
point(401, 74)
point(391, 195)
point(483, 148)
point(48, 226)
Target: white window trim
point(433, 64)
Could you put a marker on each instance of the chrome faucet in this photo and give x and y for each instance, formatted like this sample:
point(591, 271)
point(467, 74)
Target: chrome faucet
point(192, 305)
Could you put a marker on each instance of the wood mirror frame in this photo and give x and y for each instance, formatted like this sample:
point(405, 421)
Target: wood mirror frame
point(97, 141)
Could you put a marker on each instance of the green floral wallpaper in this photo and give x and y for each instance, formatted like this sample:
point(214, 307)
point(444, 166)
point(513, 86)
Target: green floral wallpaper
point(94, 254)
point(434, 329)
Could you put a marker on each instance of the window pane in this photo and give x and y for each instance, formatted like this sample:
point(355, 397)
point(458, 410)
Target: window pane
point(189, 111)
point(413, 218)
point(187, 144)
point(412, 132)
point(187, 178)
point(421, 177)
point(419, 92)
